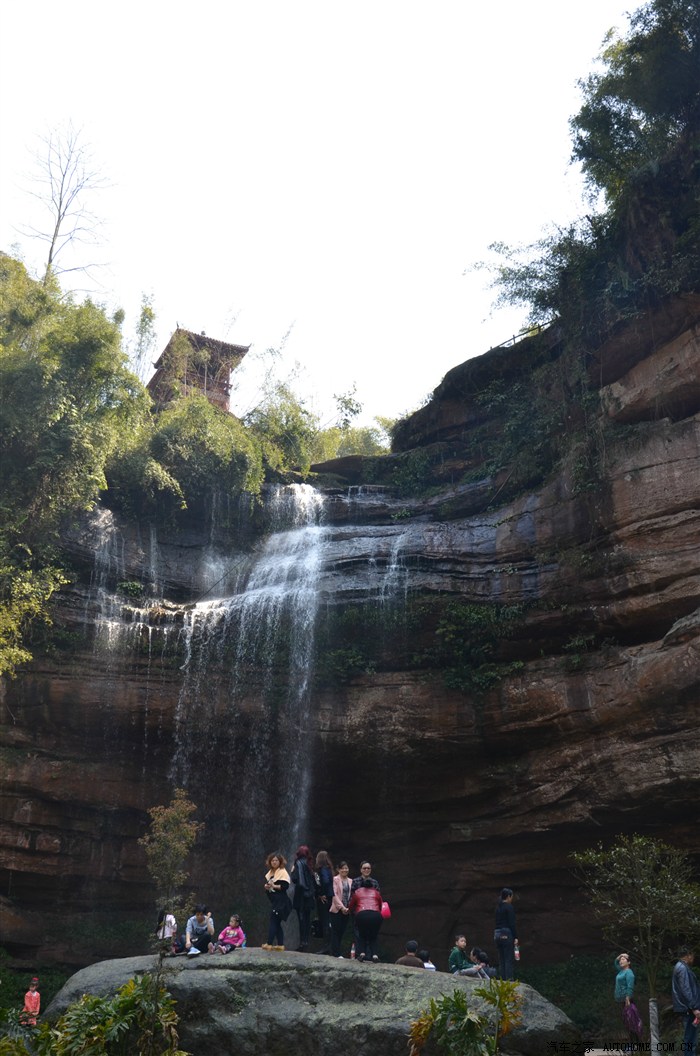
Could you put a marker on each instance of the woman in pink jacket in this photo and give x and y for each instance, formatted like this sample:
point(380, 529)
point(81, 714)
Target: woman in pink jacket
point(339, 909)
point(366, 904)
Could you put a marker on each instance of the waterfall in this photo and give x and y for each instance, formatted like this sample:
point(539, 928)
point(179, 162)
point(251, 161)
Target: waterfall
point(119, 622)
point(244, 702)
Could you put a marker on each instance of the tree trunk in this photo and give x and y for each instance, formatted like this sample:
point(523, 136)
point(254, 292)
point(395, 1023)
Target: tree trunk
point(653, 1022)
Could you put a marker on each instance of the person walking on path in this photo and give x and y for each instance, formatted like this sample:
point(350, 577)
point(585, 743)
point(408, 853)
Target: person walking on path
point(685, 992)
point(624, 992)
point(505, 934)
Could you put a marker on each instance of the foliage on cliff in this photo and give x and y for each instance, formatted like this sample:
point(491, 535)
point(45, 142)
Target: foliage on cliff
point(637, 137)
point(67, 397)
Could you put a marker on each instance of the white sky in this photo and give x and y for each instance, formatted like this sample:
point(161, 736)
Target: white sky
point(329, 165)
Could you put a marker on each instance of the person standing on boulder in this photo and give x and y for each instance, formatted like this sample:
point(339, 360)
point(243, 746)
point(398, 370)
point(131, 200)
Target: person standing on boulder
point(276, 883)
point(366, 905)
point(324, 898)
point(505, 934)
point(339, 911)
point(304, 892)
point(365, 879)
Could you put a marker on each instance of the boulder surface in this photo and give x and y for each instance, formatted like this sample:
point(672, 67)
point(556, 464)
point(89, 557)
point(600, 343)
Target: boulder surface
point(253, 1001)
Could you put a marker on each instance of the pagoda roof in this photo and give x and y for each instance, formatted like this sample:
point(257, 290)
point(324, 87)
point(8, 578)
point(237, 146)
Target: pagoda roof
point(221, 349)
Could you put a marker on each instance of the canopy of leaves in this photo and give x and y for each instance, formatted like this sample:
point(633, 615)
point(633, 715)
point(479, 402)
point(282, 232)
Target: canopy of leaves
point(637, 137)
point(67, 397)
point(645, 104)
point(641, 890)
point(186, 457)
point(285, 428)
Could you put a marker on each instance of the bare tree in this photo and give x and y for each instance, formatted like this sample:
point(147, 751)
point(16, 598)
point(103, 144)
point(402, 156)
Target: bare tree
point(65, 175)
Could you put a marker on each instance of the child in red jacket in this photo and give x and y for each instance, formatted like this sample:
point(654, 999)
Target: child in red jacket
point(32, 1004)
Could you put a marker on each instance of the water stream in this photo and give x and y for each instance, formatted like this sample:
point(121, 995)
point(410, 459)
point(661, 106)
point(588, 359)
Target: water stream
point(245, 696)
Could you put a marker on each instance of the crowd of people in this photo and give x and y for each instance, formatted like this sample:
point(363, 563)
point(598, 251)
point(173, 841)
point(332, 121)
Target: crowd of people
point(325, 900)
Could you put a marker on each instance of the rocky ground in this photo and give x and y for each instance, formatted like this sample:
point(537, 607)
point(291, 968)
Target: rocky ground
point(253, 1001)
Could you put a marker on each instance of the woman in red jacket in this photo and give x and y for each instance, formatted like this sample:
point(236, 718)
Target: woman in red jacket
point(366, 905)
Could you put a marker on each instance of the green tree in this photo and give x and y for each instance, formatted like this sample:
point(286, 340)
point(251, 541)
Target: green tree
point(645, 103)
point(172, 836)
point(642, 892)
point(187, 457)
point(637, 137)
point(286, 429)
point(67, 398)
point(145, 338)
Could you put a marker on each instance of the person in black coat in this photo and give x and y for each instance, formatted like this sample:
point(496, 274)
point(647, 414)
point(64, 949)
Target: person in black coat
point(304, 897)
point(505, 934)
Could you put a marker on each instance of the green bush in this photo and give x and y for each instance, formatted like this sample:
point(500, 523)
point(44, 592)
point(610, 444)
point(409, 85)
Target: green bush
point(185, 458)
point(140, 1018)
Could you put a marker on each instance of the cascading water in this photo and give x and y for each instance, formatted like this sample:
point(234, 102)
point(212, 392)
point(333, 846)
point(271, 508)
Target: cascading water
point(245, 664)
point(244, 705)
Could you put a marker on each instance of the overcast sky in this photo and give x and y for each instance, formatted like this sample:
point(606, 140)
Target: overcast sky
point(327, 167)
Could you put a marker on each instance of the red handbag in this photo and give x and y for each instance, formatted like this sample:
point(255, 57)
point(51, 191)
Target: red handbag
point(386, 910)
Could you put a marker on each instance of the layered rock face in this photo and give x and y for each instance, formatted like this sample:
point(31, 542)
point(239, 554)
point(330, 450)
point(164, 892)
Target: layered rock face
point(460, 688)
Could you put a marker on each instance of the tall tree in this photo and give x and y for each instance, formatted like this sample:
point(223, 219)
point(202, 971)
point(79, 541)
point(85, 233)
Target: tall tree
point(145, 338)
point(644, 105)
point(637, 138)
point(65, 175)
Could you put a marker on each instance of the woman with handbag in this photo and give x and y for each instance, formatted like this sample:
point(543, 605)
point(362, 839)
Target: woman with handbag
point(624, 992)
point(366, 905)
point(505, 934)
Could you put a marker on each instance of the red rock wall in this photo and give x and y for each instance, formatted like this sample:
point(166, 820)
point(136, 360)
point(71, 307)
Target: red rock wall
point(450, 795)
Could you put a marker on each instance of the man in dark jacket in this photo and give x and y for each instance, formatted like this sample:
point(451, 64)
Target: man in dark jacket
point(686, 997)
point(411, 959)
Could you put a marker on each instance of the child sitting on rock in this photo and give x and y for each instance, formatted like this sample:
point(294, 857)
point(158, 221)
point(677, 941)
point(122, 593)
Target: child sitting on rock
point(231, 938)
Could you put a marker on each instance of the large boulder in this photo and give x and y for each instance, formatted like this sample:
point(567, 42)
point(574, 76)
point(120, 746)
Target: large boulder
point(253, 1001)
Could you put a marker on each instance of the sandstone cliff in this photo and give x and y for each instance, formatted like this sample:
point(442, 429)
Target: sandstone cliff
point(399, 720)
